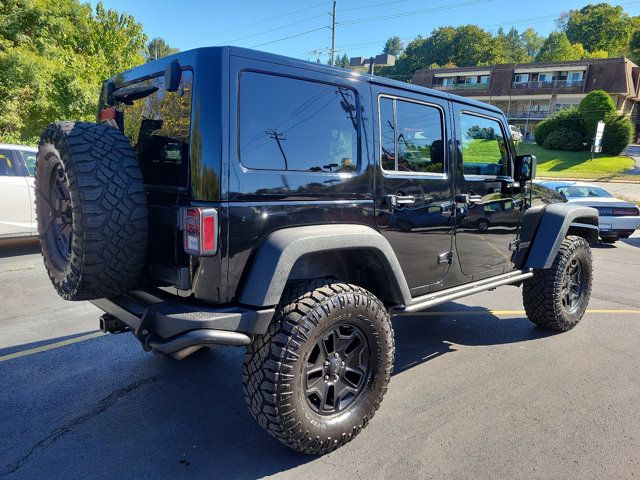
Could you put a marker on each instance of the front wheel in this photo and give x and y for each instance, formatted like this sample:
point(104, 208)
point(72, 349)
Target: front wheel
point(557, 297)
point(318, 375)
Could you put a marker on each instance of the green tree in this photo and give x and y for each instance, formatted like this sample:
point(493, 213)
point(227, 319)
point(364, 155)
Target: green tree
point(54, 56)
point(532, 42)
point(596, 106)
point(393, 46)
point(599, 27)
point(157, 48)
point(557, 47)
point(344, 61)
point(618, 134)
point(510, 47)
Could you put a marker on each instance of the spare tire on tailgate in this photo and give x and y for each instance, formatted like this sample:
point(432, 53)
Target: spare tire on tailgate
point(91, 209)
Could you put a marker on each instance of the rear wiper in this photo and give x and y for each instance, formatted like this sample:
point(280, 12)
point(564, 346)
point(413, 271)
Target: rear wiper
point(127, 95)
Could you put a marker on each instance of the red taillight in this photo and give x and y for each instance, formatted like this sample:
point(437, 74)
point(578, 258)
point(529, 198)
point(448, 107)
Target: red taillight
point(626, 211)
point(200, 231)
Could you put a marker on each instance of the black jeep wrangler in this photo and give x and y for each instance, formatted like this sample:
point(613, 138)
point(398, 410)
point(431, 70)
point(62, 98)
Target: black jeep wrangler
point(227, 196)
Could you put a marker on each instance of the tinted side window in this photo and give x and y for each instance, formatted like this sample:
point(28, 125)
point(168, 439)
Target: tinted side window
point(291, 124)
point(484, 150)
point(158, 127)
point(8, 167)
point(30, 161)
point(411, 137)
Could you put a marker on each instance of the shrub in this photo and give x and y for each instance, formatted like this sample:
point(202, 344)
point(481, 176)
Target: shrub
point(618, 133)
point(564, 139)
point(596, 106)
point(568, 120)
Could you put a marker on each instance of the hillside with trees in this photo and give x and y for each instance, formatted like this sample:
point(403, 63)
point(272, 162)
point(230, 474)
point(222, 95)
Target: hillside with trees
point(594, 31)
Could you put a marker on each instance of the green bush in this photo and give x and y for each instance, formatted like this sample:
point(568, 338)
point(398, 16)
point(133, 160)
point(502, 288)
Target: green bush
point(564, 139)
point(618, 133)
point(568, 120)
point(596, 106)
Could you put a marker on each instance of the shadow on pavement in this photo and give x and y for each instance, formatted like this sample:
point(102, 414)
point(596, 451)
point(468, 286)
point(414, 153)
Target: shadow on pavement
point(17, 247)
point(103, 407)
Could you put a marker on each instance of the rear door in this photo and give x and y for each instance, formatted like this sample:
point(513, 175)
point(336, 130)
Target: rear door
point(15, 200)
point(414, 183)
point(489, 201)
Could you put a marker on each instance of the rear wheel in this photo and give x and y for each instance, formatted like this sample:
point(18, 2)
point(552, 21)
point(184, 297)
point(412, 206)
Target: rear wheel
point(91, 210)
point(557, 297)
point(483, 225)
point(318, 375)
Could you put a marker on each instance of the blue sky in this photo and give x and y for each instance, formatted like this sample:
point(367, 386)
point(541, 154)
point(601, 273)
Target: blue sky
point(363, 25)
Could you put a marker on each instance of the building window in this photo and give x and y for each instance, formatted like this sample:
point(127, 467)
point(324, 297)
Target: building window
point(291, 124)
point(411, 137)
point(484, 79)
point(521, 78)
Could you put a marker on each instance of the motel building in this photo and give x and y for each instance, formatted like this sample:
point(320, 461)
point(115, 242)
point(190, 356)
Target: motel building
point(528, 93)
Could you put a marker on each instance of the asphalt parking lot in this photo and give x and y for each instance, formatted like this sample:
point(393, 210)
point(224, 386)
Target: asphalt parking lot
point(478, 392)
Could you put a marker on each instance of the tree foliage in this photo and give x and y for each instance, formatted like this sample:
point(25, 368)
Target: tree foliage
point(599, 26)
point(557, 47)
point(393, 46)
point(596, 106)
point(157, 48)
point(54, 56)
point(567, 120)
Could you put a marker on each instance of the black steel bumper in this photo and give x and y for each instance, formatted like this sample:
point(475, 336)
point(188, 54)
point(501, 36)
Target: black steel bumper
point(168, 324)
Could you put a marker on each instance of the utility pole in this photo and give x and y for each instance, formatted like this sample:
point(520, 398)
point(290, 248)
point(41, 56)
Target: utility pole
point(279, 137)
point(333, 33)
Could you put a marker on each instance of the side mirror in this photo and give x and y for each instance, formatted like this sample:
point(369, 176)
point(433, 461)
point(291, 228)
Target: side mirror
point(525, 168)
point(172, 76)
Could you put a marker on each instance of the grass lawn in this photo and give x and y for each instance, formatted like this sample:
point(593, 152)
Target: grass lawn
point(561, 164)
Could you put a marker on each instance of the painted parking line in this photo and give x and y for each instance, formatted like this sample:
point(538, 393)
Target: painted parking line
point(50, 346)
point(428, 313)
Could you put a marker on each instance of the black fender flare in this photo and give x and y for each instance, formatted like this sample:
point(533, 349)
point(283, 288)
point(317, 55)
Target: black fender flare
point(279, 251)
point(544, 227)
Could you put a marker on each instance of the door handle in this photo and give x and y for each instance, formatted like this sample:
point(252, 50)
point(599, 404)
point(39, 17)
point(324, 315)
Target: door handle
point(397, 200)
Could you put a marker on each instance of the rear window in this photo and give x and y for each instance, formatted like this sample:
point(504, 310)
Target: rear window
point(292, 124)
point(159, 127)
point(583, 192)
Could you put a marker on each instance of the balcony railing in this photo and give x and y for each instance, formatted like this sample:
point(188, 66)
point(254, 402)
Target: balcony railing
point(532, 114)
point(462, 86)
point(548, 84)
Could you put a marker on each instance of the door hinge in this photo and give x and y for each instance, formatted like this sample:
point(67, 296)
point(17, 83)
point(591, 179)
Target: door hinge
point(514, 245)
point(446, 257)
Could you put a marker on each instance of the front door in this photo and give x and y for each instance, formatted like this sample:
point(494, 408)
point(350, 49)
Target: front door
point(15, 198)
point(489, 201)
point(414, 186)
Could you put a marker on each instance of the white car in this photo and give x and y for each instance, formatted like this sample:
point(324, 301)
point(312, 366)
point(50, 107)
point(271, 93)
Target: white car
point(618, 219)
point(516, 134)
point(17, 195)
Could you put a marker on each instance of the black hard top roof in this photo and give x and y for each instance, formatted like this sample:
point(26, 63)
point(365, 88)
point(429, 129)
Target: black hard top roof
point(209, 54)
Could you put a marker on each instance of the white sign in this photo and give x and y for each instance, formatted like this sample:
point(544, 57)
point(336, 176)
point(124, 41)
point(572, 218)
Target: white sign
point(597, 140)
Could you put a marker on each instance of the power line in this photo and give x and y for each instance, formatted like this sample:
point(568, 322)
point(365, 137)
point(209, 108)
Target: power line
point(287, 38)
point(275, 29)
point(293, 12)
point(413, 12)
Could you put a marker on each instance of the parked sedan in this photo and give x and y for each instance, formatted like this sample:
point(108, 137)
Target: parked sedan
point(516, 134)
point(618, 219)
point(17, 210)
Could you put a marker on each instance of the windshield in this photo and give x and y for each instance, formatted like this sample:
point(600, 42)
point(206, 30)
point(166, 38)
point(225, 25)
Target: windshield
point(583, 192)
point(30, 161)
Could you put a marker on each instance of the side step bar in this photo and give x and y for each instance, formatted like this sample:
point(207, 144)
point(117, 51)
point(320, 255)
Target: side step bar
point(425, 302)
point(197, 338)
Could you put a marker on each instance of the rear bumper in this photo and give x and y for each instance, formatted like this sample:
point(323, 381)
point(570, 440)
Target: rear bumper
point(160, 320)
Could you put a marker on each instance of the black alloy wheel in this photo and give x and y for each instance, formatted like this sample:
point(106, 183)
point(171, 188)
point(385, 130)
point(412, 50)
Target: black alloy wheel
point(572, 286)
point(59, 227)
point(337, 369)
